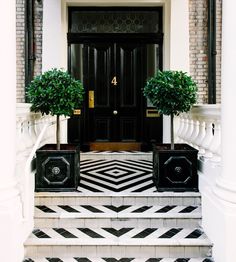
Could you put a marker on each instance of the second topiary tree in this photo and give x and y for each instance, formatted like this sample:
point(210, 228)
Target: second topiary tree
point(172, 93)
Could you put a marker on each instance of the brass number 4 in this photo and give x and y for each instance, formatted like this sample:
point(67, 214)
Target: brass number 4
point(114, 81)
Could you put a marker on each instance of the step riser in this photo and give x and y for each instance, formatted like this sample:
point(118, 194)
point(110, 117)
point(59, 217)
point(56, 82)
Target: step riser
point(119, 223)
point(116, 157)
point(118, 251)
point(117, 201)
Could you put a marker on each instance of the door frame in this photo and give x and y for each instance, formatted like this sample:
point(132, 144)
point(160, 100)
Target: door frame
point(90, 38)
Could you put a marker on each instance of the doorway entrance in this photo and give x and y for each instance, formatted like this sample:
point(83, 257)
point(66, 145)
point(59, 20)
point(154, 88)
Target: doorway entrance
point(114, 67)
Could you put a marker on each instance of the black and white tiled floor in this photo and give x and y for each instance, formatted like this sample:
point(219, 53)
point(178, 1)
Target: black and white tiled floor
point(121, 176)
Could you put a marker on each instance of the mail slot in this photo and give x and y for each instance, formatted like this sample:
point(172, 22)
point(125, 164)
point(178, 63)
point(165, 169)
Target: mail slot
point(152, 113)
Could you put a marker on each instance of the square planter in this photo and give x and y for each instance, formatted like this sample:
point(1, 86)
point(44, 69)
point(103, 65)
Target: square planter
point(57, 170)
point(175, 170)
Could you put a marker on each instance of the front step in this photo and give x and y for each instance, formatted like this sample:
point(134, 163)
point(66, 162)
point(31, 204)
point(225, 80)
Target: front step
point(119, 259)
point(117, 215)
point(112, 242)
point(112, 216)
point(118, 199)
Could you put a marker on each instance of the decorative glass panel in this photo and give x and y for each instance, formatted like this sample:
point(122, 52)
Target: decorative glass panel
point(115, 21)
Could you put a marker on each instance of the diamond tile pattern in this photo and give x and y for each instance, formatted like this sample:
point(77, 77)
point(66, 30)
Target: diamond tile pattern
point(116, 176)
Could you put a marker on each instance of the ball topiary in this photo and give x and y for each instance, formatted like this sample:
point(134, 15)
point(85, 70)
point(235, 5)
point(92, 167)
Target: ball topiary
point(55, 92)
point(171, 92)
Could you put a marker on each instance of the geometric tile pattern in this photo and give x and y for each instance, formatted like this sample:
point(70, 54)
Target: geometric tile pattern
point(124, 211)
point(112, 235)
point(108, 259)
point(126, 176)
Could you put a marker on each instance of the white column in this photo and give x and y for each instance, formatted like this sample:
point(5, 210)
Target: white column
point(219, 204)
point(179, 35)
point(227, 181)
point(52, 35)
point(11, 241)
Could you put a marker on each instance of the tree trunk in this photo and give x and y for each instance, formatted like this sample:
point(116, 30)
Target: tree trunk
point(172, 131)
point(58, 133)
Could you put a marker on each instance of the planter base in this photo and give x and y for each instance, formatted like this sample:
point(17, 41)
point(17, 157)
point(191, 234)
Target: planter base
point(175, 170)
point(57, 170)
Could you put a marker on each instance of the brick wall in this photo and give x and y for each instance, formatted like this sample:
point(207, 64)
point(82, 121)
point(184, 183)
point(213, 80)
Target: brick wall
point(20, 45)
point(218, 49)
point(199, 48)
point(20, 57)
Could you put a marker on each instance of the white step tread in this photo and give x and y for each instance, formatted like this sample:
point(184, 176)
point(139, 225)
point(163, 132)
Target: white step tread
point(120, 237)
point(83, 259)
point(122, 211)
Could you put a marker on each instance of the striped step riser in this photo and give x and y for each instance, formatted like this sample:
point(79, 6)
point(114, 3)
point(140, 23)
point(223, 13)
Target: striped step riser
point(112, 259)
point(117, 200)
point(114, 222)
point(118, 251)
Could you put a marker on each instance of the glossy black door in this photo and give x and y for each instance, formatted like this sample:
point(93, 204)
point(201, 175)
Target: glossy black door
point(115, 79)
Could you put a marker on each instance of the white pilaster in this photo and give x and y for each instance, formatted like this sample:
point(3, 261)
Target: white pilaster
point(219, 205)
point(52, 35)
point(11, 240)
point(179, 35)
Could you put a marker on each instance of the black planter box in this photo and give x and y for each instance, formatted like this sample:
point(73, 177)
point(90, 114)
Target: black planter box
point(175, 170)
point(57, 170)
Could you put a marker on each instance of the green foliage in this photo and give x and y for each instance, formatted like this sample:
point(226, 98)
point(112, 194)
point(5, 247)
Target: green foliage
point(55, 92)
point(171, 92)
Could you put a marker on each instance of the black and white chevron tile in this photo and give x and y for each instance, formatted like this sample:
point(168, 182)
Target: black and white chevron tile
point(124, 176)
point(111, 259)
point(128, 235)
point(129, 211)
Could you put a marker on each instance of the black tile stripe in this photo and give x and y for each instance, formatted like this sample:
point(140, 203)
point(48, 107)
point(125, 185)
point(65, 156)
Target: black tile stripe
point(195, 234)
point(68, 209)
point(82, 259)
point(154, 260)
point(28, 260)
point(188, 209)
point(40, 234)
point(116, 232)
point(92, 189)
point(117, 209)
point(111, 259)
point(182, 259)
point(170, 233)
point(146, 232)
point(54, 259)
point(90, 233)
point(46, 209)
point(138, 163)
point(165, 209)
point(64, 233)
point(141, 209)
point(208, 260)
point(141, 189)
point(114, 181)
point(92, 209)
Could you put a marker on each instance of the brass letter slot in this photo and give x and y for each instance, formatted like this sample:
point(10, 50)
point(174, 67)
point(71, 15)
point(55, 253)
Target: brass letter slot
point(77, 112)
point(152, 113)
point(91, 99)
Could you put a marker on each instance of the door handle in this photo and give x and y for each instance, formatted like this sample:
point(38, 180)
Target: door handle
point(91, 99)
point(115, 112)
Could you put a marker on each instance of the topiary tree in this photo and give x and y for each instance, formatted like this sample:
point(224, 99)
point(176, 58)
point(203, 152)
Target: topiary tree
point(55, 92)
point(171, 92)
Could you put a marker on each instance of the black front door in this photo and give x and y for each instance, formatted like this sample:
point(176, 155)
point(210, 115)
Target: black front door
point(115, 77)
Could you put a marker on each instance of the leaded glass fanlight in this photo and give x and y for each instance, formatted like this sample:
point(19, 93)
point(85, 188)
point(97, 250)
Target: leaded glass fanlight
point(115, 21)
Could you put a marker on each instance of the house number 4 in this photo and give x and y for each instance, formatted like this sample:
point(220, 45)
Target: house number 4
point(114, 81)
